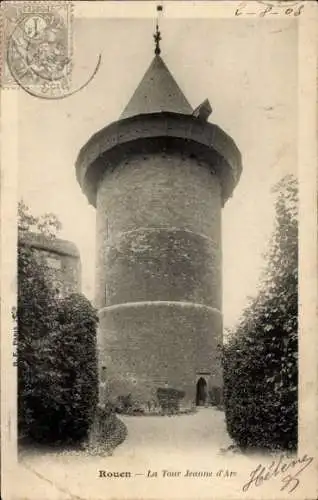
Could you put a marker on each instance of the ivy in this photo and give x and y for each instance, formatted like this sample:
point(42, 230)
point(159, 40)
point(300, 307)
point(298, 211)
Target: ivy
point(261, 358)
point(57, 366)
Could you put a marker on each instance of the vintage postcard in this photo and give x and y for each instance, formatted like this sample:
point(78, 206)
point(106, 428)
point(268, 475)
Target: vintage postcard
point(159, 250)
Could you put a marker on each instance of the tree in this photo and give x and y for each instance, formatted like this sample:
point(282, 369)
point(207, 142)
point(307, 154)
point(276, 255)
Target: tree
point(261, 359)
point(57, 366)
point(63, 406)
point(36, 316)
point(47, 224)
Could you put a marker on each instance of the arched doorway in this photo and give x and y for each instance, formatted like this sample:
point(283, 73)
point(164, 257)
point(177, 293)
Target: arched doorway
point(201, 393)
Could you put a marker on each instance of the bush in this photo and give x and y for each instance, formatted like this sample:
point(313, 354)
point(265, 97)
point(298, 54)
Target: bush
point(57, 366)
point(125, 404)
point(261, 359)
point(36, 315)
point(107, 431)
point(260, 402)
point(216, 396)
point(62, 397)
point(169, 399)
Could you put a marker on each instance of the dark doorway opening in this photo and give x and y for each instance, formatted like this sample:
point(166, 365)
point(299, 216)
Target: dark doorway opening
point(201, 394)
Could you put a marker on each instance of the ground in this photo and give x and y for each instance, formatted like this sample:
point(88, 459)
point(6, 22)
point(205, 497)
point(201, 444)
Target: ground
point(156, 454)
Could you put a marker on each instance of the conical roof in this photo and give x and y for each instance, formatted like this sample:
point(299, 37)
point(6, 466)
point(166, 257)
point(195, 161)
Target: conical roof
point(157, 91)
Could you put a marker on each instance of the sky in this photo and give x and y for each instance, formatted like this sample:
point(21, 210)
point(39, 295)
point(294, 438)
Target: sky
point(248, 71)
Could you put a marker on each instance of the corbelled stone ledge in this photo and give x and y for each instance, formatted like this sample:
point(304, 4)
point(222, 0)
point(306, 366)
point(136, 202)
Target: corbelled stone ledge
point(167, 303)
point(158, 132)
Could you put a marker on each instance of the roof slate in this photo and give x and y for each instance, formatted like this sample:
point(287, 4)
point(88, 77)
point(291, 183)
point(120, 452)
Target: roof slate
point(157, 91)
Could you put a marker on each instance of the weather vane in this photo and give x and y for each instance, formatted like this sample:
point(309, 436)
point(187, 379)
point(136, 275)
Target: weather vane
point(157, 34)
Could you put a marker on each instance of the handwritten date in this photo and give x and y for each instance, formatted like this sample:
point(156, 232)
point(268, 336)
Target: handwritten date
point(262, 9)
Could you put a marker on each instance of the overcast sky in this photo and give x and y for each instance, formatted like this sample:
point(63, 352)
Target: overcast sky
point(247, 69)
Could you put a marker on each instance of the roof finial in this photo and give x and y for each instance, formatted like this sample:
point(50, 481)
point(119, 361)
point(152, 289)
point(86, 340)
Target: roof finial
point(157, 38)
point(157, 34)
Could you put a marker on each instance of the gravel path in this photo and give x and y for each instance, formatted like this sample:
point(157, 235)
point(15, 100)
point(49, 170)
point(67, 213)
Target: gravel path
point(186, 434)
point(168, 446)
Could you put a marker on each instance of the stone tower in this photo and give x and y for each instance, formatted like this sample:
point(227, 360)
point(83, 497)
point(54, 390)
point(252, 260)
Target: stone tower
point(158, 178)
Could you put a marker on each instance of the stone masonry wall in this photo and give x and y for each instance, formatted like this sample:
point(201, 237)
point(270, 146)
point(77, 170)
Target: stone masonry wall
point(61, 258)
point(148, 345)
point(158, 280)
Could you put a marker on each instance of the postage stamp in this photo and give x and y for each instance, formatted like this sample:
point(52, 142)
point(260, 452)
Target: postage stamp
point(37, 46)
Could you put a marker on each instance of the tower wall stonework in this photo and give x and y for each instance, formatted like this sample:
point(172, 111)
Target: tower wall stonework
point(147, 345)
point(158, 278)
point(159, 177)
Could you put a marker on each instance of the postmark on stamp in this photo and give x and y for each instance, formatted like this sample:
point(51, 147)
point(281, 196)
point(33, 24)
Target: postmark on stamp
point(37, 47)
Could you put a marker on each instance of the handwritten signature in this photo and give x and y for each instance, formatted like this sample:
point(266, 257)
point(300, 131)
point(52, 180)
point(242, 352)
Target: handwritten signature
point(288, 470)
point(263, 8)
